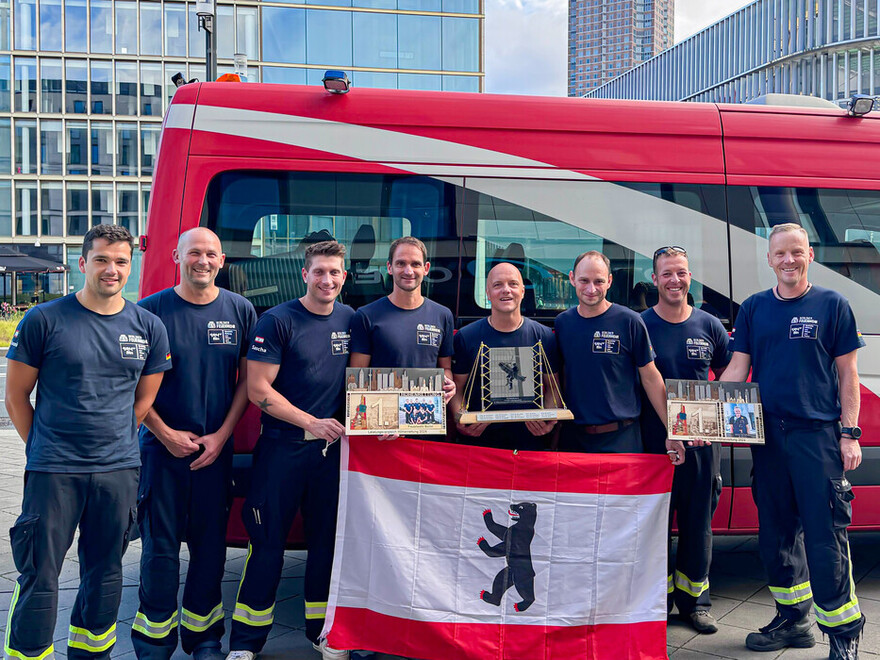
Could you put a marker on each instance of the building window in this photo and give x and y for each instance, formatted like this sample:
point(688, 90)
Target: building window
point(51, 147)
point(127, 207)
point(5, 82)
point(26, 208)
point(76, 84)
point(51, 209)
point(77, 209)
point(149, 145)
point(5, 208)
point(50, 25)
point(25, 146)
point(461, 41)
point(284, 34)
point(175, 29)
point(126, 149)
point(151, 28)
point(375, 41)
point(246, 33)
point(126, 88)
point(25, 27)
point(151, 90)
point(126, 27)
point(329, 39)
point(102, 86)
point(25, 84)
point(5, 146)
point(50, 86)
point(102, 204)
point(101, 32)
point(419, 40)
point(102, 148)
point(75, 26)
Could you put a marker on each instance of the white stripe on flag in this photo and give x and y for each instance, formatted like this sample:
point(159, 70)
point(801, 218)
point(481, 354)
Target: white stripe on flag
point(410, 550)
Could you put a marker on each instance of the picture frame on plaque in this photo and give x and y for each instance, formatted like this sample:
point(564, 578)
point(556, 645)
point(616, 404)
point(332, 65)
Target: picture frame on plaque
point(381, 401)
point(512, 384)
point(714, 411)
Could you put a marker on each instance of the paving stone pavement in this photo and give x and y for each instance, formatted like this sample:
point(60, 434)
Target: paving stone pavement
point(741, 601)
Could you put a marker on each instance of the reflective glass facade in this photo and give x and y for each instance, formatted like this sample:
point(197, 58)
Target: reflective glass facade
point(84, 85)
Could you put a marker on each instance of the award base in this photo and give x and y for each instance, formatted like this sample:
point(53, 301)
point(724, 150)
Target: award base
point(496, 416)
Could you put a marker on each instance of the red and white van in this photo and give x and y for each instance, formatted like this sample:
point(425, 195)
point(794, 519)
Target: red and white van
point(534, 181)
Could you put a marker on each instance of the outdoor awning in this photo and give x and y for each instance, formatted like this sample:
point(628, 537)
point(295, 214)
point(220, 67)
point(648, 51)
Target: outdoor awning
point(13, 261)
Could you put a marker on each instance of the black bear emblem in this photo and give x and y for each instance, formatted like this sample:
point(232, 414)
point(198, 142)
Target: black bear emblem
point(516, 546)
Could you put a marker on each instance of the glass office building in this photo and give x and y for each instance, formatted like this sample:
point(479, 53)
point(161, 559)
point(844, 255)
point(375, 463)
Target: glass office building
point(84, 85)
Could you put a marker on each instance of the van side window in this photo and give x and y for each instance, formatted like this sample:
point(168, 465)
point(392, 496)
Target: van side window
point(267, 220)
point(843, 227)
point(541, 226)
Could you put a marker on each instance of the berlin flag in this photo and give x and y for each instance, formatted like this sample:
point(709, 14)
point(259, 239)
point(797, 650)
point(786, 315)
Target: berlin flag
point(455, 552)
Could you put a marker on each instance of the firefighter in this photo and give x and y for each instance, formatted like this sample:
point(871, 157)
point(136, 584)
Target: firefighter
point(97, 361)
point(186, 452)
point(296, 372)
point(688, 342)
point(800, 341)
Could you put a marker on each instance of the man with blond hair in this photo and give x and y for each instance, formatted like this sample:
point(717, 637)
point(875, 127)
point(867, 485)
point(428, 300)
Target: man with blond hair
point(800, 342)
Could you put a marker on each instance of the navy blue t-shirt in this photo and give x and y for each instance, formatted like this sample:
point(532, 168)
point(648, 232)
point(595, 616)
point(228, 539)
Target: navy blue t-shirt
point(601, 357)
point(313, 353)
point(506, 435)
point(90, 365)
point(395, 337)
point(207, 342)
point(684, 350)
point(793, 344)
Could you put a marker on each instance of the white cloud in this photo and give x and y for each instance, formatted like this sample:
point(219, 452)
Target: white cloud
point(527, 41)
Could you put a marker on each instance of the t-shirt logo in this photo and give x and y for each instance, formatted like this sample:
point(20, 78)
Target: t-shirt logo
point(698, 348)
point(133, 347)
point(428, 335)
point(803, 327)
point(606, 342)
point(222, 333)
point(339, 342)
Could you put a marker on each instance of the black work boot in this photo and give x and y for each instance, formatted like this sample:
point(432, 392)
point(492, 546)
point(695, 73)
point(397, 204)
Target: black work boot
point(844, 648)
point(781, 633)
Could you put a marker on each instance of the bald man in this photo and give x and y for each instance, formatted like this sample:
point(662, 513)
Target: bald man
point(186, 454)
point(504, 327)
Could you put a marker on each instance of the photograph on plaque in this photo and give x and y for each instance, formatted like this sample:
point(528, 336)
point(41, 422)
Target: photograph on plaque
point(380, 401)
point(714, 411)
point(512, 375)
point(512, 384)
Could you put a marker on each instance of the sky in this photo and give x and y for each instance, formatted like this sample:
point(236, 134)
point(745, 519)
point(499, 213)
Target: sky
point(527, 41)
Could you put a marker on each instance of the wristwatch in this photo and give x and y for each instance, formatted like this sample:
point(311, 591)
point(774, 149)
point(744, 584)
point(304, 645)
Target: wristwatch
point(854, 432)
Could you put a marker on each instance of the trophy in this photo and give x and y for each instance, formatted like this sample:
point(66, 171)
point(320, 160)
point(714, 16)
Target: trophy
point(513, 383)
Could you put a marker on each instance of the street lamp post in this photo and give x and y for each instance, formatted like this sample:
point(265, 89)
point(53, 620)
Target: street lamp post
point(206, 14)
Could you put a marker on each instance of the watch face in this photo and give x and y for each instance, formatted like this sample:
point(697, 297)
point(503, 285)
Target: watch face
point(856, 432)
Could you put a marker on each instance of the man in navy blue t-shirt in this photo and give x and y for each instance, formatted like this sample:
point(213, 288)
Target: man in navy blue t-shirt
point(801, 341)
point(504, 327)
point(186, 476)
point(688, 342)
point(606, 353)
point(296, 371)
point(97, 361)
point(404, 329)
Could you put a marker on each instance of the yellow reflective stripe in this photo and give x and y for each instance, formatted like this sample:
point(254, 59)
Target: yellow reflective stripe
point(252, 617)
point(844, 614)
point(244, 571)
point(316, 610)
point(670, 587)
point(152, 629)
point(197, 623)
point(792, 595)
point(689, 586)
point(9, 652)
point(80, 638)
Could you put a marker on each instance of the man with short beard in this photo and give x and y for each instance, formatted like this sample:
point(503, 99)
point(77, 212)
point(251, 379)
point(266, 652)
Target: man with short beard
point(186, 450)
point(688, 342)
point(606, 352)
point(801, 343)
point(97, 361)
point(404, 329)
point(296, 373)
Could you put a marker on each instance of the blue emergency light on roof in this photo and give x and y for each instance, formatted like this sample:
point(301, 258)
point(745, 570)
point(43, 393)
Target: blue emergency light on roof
point(336, 82)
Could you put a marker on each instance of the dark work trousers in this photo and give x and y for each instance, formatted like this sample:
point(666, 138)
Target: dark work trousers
point(804, 508)
point(287, 475)
point(102, 504)
point(696, 488)
point(625, 440)
point(177, 504)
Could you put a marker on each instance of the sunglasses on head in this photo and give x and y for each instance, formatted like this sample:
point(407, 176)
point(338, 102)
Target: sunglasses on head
point(676, 249)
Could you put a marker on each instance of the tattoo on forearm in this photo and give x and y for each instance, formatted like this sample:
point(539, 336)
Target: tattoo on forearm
point(264, 403)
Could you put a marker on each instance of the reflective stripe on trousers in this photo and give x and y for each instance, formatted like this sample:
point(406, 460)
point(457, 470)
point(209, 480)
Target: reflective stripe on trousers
point(9, 652)
point(316, 610)
point(252, 617)
point(86, 640)
point(792, 595)
point(152, 629)
point(689, 586)
point(198, 623)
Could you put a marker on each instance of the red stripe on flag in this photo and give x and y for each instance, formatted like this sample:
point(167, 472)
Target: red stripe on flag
point(445, 464)
point(363, 629)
